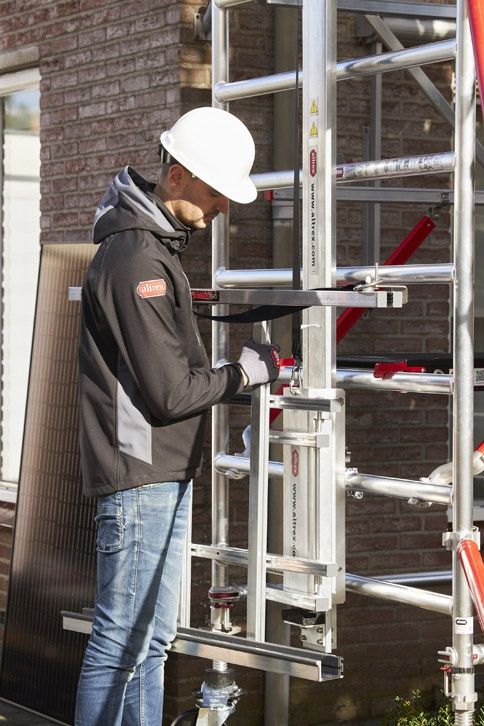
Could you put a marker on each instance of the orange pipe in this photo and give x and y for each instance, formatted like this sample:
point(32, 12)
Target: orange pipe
point(473, 567)
point(476, 20)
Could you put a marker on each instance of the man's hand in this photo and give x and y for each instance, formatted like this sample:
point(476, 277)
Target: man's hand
point(259, 362)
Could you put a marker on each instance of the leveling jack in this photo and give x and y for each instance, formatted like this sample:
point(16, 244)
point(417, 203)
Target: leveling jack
point(216, 699)
point(218, 695)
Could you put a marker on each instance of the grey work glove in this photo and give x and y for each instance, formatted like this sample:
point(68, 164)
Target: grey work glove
point(259, 362)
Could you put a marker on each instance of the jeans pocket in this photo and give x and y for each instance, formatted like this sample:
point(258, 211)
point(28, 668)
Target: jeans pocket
point(110, 524)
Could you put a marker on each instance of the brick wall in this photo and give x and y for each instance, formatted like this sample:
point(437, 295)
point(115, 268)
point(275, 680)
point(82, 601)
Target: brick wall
point(112, 78)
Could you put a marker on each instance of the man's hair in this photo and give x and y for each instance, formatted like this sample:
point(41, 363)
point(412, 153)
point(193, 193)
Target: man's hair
point(164, 170)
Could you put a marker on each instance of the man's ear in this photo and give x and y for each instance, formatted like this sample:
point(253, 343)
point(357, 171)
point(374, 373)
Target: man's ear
point(176, 174)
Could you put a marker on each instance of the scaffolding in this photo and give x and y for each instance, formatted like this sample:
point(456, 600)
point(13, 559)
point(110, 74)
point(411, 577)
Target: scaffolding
point(315, 480)
point(315, 452)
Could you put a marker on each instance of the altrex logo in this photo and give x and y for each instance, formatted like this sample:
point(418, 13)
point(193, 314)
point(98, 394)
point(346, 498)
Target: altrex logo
point(313, 162)
point(151, 288)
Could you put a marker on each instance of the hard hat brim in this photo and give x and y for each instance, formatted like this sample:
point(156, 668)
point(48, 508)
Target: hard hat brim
point(242, 194)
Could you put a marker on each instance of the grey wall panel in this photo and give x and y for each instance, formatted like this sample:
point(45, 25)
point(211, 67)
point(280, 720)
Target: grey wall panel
point(53, 564)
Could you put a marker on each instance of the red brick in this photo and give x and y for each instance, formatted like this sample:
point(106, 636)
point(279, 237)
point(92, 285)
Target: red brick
point(92, 110)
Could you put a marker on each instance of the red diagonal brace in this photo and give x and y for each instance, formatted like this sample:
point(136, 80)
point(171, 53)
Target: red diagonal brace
point(473, 567)
point(399, 256)
point(476, 20)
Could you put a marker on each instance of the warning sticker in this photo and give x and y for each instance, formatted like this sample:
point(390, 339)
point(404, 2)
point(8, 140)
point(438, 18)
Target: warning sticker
point(314, 130)
point(205, 295)
point(479, 375)
point(314, 107)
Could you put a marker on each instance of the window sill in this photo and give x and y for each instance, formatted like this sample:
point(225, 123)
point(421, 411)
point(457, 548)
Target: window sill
point(8, 492)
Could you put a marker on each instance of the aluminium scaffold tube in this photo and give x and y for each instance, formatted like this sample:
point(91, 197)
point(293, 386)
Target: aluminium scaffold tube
point(462, 680)
point(357, 378)
point(378, 169)
point(220, 340)
point(371, 587)
point(236, 466)
point(356, 68)
point(388, 274)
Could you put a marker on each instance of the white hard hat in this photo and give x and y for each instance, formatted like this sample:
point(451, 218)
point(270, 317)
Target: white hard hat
point(217, 148)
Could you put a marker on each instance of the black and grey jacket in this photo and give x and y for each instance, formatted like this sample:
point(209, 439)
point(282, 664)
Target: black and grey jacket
point(145, 380)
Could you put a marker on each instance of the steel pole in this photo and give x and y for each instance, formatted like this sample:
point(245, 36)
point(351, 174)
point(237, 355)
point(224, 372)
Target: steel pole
point(380, 169)
point(220, 338)
point(399, 274)
point(463, 682)
point(355, 68)
point(381, 590)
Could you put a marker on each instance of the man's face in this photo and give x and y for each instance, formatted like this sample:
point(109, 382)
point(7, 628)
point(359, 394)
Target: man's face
point(197, 203)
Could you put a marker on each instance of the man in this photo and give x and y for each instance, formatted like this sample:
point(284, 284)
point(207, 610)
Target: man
point(145, 387)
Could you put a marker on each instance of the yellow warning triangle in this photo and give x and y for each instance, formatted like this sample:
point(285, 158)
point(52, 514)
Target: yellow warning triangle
point(314, 107)
point(314, 130)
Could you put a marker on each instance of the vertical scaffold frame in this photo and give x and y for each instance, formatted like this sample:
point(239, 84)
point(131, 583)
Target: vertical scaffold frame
point(318, 79)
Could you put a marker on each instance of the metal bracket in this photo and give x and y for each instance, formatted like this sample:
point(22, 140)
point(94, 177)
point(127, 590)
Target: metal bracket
point(202, 23)
point(316, 629)
point(274, 563)
point(296, 438)
point(450, 540)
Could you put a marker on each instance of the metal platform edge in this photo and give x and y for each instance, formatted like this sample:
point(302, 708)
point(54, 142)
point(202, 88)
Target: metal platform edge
point(296, 662)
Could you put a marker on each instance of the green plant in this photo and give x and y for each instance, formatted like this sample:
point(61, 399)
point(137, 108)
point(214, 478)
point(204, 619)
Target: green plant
point(413, 711)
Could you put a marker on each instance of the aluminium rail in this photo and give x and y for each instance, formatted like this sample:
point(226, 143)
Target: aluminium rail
point(356, 68)
point(440, 163)
point(387, 274)
point(233, 465)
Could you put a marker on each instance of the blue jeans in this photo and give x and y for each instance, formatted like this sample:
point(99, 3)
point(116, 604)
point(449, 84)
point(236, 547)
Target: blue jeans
point(141, 536)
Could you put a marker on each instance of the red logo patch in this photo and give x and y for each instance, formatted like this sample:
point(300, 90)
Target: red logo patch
point(295, 462)
point(276, 358)
point(151, 288)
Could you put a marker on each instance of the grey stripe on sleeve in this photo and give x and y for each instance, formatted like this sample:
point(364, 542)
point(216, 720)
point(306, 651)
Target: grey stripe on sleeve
point(133, 423)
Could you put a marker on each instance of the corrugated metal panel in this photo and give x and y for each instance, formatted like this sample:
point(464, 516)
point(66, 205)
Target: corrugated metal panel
point(53, 566)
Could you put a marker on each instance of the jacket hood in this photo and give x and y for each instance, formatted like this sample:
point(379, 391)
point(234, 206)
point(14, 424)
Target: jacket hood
point(130, 203)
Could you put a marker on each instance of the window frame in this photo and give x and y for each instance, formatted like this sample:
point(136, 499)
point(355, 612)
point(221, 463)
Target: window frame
point(11, 82)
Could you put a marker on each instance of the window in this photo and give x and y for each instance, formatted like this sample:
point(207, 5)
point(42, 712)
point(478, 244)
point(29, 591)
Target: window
point(19, 246)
